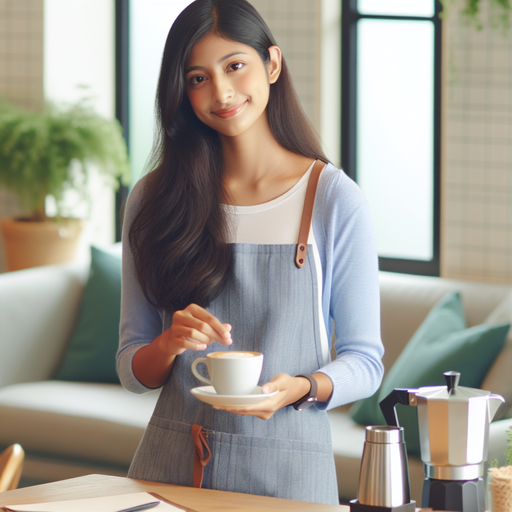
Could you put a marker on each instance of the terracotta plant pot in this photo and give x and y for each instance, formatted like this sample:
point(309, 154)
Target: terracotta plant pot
point(32, 244)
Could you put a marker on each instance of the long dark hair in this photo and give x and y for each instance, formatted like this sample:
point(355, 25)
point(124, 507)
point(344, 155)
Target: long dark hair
point(179, 235)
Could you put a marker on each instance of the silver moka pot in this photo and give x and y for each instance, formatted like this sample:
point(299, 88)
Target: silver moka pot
point(454, 428)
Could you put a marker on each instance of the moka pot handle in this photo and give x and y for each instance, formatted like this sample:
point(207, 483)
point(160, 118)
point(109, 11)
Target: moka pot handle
point(388, 404)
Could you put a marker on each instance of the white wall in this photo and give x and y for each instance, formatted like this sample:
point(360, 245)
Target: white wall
point(21, 72)
point(330, 80)
point(79, 38)
point(79, 61)
point(476, 193)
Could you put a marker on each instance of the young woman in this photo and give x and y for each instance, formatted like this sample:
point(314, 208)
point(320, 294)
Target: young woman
point(212, 262)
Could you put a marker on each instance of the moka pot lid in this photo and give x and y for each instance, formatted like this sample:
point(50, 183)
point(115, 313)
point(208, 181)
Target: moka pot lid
point(452, 392)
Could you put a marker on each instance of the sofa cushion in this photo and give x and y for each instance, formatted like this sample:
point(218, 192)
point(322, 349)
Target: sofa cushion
point(90, 355)
point(440, 344)
point(407, 299)
point(446, 317)
point(499, 378)
point(96, 422)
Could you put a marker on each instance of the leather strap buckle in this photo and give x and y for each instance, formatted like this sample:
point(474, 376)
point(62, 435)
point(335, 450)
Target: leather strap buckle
point(307, 213)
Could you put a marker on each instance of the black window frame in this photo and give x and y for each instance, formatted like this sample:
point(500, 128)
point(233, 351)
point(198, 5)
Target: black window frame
point(122, 94)
point(350, 17)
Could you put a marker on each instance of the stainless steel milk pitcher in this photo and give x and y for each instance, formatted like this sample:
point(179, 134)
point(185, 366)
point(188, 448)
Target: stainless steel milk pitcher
point(384, 475)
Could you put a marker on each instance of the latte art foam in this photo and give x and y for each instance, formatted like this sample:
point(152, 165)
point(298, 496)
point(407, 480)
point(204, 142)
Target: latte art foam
point(233, 355)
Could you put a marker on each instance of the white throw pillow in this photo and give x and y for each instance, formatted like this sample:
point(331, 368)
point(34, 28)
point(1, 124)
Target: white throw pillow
point(499, 378)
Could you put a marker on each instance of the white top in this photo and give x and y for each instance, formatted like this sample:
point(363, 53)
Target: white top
point(274, 222)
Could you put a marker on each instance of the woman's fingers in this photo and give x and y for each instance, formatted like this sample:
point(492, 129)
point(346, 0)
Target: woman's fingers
point(226, 339)
point(279, 382)
point(211, 325)
point(186, 343)
point(270, 387)
point(290, 390)
point(263, 410)
point(194, 328)
point(198, 333)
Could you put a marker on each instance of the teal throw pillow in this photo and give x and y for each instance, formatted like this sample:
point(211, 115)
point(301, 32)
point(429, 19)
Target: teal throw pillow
point(441, 343)
point(90, 355)
point(446, 317)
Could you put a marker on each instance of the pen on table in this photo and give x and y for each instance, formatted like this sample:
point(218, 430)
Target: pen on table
point(144, 506)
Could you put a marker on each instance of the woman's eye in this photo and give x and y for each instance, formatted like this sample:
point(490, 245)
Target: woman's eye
point(235, 66)
point(196, 80)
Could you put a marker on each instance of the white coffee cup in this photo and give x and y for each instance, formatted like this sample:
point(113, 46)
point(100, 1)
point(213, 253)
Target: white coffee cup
point(231, 372)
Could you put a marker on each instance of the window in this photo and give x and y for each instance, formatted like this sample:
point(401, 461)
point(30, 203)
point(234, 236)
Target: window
point(141, 30)
point(391, 89)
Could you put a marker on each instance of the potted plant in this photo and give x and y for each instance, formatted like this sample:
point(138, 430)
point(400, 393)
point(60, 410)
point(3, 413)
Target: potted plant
point(44, 154)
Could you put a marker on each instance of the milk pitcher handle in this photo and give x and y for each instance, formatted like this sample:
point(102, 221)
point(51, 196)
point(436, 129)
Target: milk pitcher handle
point(388, 405)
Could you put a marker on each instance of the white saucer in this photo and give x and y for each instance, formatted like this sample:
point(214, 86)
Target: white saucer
point(208, 395)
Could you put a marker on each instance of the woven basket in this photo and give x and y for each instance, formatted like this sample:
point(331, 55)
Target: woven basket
point(500, 489)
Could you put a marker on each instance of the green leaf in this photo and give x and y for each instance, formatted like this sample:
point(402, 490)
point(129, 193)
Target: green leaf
point(38, 148)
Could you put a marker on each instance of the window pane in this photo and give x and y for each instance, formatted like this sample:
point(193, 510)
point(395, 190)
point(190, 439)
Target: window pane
point(397, 7)
point(150, 21)
point(395, 133)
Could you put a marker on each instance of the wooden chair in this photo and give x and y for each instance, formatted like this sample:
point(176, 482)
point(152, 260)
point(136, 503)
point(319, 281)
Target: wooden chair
point(11, 464)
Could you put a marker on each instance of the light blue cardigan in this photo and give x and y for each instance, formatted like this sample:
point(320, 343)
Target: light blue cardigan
point(345, 238)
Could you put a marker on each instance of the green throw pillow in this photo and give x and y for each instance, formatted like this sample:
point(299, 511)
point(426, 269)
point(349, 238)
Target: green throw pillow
point(90, 355)
point(441, 343)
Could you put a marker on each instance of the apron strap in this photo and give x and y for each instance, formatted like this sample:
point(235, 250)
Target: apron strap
point(307, 213)
point(200, 460)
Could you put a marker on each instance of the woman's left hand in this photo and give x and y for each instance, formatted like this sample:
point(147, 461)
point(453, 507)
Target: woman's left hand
point(290, 390)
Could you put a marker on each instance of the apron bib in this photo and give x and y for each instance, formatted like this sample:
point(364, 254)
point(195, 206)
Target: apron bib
point(271, 301)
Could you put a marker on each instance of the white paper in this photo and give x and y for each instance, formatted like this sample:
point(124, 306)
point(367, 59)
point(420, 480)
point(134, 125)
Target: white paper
point(101, 504)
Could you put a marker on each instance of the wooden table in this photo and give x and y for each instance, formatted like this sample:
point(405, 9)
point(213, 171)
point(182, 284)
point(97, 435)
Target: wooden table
point(201, 500)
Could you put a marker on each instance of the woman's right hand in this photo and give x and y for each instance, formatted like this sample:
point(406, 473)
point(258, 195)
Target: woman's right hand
point(193, 328)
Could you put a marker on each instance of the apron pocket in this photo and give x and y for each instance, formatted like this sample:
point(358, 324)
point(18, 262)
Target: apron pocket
point(165, 453)
point(280, 468)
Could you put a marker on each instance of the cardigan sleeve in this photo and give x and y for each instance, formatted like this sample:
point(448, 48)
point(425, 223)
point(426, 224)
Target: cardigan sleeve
point(351, 289)
point(141, 322)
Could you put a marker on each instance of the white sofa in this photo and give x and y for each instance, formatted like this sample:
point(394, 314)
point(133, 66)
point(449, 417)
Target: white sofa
point(66, 428)
point(69, 429)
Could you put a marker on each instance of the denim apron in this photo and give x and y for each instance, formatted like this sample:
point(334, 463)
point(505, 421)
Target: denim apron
point(272, 305)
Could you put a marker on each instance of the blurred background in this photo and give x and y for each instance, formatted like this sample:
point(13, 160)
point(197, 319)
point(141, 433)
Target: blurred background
point(417, 111)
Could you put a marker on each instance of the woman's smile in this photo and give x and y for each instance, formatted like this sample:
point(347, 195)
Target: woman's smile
point(227, 80)
point(230, 111)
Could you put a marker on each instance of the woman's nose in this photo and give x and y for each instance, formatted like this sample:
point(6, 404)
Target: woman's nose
point(222, 89)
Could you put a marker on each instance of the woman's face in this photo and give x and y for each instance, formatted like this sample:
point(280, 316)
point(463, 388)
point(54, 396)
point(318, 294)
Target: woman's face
point(228, 84)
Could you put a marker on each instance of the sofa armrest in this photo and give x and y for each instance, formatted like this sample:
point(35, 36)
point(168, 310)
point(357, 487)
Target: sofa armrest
point(38, 310)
